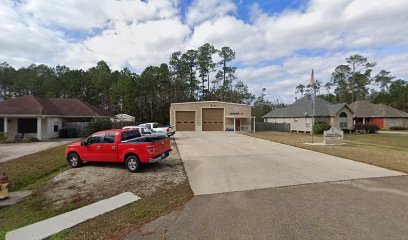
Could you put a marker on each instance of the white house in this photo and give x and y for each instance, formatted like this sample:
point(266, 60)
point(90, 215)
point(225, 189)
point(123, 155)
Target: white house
point(43, 118)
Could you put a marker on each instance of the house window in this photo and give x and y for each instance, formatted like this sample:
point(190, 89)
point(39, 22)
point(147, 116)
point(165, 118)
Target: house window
point(308, 122)
point(343, 120)
point(56, 128)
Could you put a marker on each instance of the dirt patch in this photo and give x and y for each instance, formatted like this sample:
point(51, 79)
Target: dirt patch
point(95, 181)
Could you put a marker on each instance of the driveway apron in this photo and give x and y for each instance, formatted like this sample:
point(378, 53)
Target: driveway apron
point(219, 162)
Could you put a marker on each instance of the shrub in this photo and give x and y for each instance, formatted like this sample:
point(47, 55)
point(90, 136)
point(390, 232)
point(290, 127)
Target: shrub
point(367, 128)
point(98, 125)
point(398, 128)
point(3, 137)
point(320, 127)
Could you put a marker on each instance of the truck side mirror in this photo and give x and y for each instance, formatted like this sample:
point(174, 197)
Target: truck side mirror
point(83, 143)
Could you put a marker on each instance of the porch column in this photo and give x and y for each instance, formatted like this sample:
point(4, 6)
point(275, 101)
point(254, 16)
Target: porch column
point(39, 130)
point(234, 123)
point(5, 125)
point(363, 120)
point(254, 122)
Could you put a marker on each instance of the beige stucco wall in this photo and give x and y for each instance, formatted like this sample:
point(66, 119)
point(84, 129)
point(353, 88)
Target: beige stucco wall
point(230, 109)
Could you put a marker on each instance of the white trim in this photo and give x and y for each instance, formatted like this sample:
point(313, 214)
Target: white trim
point(5, 125)
point(213, 102)
point(39, 128)
point(195, 118)
point(224, 120)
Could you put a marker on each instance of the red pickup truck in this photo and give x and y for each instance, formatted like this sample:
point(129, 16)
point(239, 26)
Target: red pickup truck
point(119, 145)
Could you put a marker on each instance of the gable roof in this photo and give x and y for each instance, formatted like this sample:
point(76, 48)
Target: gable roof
point(367, 109)
point(304, 105)
point(33, 105)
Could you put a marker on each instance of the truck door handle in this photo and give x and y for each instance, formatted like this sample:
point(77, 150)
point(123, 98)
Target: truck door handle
point(113, 147)
point(98, 147)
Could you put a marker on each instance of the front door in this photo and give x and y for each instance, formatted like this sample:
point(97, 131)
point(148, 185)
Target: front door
point(237, 124)
point(91, 150)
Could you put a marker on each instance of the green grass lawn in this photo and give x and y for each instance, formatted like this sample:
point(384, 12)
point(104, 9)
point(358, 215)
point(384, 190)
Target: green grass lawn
point(35, 172)
point(384, 150)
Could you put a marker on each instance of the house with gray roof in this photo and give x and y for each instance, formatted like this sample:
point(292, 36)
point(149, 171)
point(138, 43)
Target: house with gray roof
point(299, 114)
point(379, 114)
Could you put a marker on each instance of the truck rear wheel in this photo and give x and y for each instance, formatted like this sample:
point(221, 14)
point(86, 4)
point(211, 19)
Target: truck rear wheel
point(74, 160)
point(132, 163)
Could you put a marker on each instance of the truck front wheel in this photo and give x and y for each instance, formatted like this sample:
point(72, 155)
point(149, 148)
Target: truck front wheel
point(74, 160)
point(132, 163)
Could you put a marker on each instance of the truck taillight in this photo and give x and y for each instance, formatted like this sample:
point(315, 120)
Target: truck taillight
point(150, 149)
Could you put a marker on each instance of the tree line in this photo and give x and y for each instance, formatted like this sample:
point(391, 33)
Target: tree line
point(193, 75)
point(354, 80)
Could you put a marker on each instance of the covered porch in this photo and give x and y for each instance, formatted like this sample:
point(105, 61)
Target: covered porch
point(40, 127)
point(240, 123)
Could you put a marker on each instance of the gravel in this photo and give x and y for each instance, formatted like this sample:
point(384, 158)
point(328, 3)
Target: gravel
point(95, 181)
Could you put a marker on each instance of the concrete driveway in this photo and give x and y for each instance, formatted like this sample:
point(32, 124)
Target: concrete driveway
point(374, 208)
point(219, 162)
point(10, 151)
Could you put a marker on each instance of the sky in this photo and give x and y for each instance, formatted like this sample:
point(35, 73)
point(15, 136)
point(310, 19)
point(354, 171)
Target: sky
point(277, 42)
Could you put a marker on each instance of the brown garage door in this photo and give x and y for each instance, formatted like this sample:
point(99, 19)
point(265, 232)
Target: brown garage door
point(185, 121)
point(213, 119)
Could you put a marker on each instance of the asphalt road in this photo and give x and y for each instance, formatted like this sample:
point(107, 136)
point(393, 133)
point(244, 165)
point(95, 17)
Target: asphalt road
point(218, 162)
point(374, 208)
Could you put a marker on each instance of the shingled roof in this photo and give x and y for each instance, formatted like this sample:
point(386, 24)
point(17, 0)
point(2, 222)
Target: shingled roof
point(367, 109)
point(304, 105)
point(33, 105)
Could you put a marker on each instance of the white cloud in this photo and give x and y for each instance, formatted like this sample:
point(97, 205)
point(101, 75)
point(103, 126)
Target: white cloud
point(141, 33)
point(88, 15)
point(202, 10)
point(137, 45)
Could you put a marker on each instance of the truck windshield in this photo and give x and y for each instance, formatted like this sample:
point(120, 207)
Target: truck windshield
point(130, 134)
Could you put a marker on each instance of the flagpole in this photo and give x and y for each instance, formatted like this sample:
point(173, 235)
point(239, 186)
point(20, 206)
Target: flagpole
point(312, 83)
point(314, 112)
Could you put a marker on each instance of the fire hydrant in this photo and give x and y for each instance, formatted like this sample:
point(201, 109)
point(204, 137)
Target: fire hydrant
point(4, 181)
